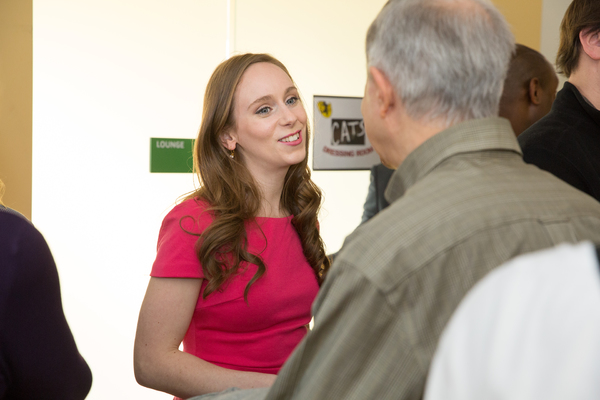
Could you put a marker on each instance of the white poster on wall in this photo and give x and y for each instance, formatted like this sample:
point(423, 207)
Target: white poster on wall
point(340, 141)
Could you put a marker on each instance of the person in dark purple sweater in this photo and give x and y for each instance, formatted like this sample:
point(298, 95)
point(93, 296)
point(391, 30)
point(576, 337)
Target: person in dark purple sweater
point(38, 355)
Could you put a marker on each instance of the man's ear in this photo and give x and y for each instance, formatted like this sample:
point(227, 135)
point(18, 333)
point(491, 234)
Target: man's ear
point(535, 91)
point(228, 140)
point(385, 95)
point(590, 42)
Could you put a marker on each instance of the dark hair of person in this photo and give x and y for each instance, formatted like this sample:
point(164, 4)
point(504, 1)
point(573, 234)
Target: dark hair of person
point(581, 15)
point(233, 195)
point(525, 64)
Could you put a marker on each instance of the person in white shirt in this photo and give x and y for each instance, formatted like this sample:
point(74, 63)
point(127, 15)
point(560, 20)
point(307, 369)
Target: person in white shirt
point(528, 330)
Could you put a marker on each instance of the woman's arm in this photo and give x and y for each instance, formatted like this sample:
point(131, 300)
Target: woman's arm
point(159, 364)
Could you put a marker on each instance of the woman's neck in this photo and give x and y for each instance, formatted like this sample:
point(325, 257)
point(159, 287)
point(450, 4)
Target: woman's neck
point(270, 205)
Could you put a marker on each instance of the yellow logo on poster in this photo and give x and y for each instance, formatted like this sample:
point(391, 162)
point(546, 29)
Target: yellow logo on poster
point(325, 109)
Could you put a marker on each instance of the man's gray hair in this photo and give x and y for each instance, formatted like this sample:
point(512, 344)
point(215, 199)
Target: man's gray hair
point(447, 59)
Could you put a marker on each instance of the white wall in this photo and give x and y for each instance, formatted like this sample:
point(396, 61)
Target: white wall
point(110, 74)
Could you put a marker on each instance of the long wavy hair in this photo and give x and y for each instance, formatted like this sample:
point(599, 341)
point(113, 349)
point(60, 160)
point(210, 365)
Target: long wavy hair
point(232, 193)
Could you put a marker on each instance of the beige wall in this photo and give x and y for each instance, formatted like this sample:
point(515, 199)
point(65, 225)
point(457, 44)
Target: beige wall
point(16, 102)
point(525, 19)
point(535, 23)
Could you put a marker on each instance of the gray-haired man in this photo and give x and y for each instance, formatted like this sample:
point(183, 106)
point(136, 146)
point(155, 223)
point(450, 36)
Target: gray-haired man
point(462, 203)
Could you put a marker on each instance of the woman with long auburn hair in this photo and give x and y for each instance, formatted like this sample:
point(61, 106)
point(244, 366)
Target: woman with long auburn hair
point(240, 260)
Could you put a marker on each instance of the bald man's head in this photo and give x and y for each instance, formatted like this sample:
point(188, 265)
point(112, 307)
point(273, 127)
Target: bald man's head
point(529, 88)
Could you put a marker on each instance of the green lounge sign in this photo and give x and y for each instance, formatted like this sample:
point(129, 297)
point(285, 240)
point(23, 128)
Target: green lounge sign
point(171, 155)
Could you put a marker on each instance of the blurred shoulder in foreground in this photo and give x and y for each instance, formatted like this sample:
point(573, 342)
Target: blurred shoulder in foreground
point(528, 330)
point(38, 355)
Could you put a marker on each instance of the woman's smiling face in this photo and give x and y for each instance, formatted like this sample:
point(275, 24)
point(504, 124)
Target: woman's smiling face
point(270, 121)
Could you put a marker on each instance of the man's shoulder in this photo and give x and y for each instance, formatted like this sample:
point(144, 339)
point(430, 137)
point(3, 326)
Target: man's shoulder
point(13, 224)
point(564, 126)
point(550, 131)
point(18, 238)
point(9, 211)
point(461, 206)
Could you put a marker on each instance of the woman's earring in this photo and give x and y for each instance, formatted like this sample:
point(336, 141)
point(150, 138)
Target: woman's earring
point(231, 155)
